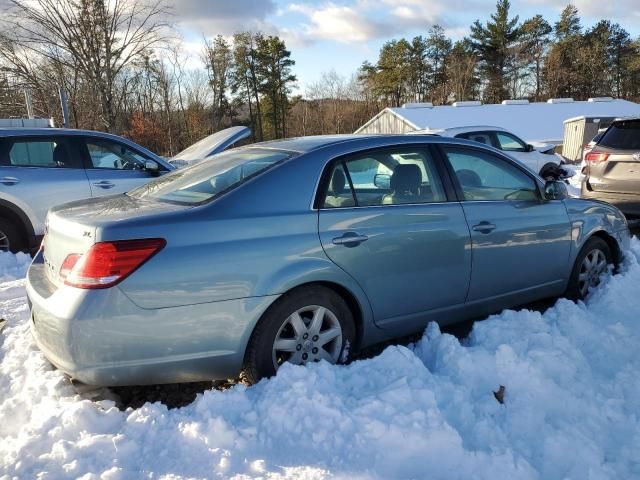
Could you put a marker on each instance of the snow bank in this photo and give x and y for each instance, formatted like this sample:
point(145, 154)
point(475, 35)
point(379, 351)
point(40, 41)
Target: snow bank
point(571, 407)
point(12, 266)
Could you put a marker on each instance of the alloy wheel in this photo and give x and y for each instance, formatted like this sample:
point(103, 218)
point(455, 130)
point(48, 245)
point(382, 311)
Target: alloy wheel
point(593, 266)
point(5, 246)
point(309, 334)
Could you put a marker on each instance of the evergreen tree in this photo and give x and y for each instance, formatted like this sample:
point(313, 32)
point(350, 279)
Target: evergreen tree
point(244, 80)
point(275, 79)
point(438, 50)
point(536, 33)
point(218, 60)
point(569, 23)
point(493, 42)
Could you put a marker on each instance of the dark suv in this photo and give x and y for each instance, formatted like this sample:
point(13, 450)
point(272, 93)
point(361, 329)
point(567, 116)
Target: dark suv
point(612, 171)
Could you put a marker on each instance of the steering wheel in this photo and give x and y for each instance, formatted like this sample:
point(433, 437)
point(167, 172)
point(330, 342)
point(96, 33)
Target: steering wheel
point(514, 195)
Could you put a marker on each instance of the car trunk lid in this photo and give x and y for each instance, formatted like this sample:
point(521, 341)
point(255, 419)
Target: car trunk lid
point(73, 228)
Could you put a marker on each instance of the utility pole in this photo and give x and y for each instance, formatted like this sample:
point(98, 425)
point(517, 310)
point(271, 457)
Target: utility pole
point(29, 102)
point(65, 107)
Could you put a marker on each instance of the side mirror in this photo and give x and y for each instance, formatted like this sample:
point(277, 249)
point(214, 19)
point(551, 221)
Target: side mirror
point(555, 190)
point(152, 167)
point(382, 180)
point(530, 148)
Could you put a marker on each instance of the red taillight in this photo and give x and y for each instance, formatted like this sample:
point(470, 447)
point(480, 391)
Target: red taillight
point(68, 265)
point(596, 157)
point(108, 263)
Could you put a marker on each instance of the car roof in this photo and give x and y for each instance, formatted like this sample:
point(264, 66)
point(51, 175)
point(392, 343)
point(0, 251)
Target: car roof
point(352, 141)
point(456, 130)
point(7, 131)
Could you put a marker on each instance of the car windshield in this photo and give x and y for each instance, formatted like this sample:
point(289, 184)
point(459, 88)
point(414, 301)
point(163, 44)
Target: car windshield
point(205, 181)
point(623, 135)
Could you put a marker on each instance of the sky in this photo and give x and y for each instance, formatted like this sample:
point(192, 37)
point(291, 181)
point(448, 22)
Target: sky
point(340, 34)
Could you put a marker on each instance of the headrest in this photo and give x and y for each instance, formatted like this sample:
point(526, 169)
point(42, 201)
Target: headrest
point(60, 155)
point(469, 178)
point(338, 181)
point(406, 179)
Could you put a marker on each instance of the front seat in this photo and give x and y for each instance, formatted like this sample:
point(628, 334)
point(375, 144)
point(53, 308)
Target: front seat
point(60, 155)
point(480, 139)
point(336, 196)
point(405, 185)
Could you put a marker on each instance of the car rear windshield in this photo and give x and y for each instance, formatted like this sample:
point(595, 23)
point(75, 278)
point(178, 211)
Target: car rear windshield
point(206, 180)
point(624, 135)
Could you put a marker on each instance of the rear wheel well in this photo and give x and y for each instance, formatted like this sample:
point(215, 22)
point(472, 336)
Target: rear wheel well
point(15, 219)
point(613, 246)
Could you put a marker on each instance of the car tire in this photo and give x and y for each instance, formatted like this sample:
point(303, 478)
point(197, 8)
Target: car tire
point(300, 342)
point(588, 268)
point(10, 237)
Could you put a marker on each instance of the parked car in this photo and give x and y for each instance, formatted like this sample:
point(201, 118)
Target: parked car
point(276, 253)
point(539, 157)
point(612, 171)
point(42, 167)
point(210, 145)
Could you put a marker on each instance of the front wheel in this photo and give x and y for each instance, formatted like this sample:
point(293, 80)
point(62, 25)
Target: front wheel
point(306, 325)
point(592, 263)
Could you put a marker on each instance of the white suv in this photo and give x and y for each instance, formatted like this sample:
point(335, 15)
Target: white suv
point(43, 167)
point(539, 157)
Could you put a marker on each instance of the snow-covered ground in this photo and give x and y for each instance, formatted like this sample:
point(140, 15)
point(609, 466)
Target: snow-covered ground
point(571, 406)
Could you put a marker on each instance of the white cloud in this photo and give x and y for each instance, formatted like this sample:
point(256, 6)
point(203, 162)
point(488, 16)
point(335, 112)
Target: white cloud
point(363, 20)
point(340, 23)
point(225, 17)
point(623, 11)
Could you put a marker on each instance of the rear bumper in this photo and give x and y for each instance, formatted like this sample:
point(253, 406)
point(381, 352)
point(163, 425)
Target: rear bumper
point(100, 337)
point(629, 204)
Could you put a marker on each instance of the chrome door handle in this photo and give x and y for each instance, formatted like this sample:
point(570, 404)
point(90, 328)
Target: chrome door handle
point(484, 227)
point(9, 180)
point(350, 239)
point(104, 184)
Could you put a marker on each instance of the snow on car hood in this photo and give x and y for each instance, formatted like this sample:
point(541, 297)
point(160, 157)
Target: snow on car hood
point(571, 403)
point(542, 146)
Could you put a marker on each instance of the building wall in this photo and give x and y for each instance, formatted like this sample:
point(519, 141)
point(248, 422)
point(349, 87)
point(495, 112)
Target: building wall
point(387, 123)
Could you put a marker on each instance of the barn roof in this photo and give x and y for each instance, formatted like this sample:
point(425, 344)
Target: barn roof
point(541, 121)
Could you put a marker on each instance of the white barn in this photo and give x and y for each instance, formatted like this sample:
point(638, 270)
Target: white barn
point(539, 121)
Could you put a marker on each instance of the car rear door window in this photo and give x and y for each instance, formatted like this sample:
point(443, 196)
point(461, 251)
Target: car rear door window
point(484, 177)
point(510, 143)
point(113, 155)
point(37, 152)
point(384, 177)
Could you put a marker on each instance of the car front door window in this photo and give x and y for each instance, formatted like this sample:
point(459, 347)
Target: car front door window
point(510, 143)
point(484, 177)
point(114, 156)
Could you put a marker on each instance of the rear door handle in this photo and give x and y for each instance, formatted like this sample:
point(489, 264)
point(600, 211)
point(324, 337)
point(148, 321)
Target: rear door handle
point(350, 239)
point(104, 184)
point(484, 227)
point(9, 180)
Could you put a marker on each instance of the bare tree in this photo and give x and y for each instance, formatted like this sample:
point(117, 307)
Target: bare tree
point(99, 38)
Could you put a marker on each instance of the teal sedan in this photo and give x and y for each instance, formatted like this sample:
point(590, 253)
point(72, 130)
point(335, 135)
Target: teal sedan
point(305, 250)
